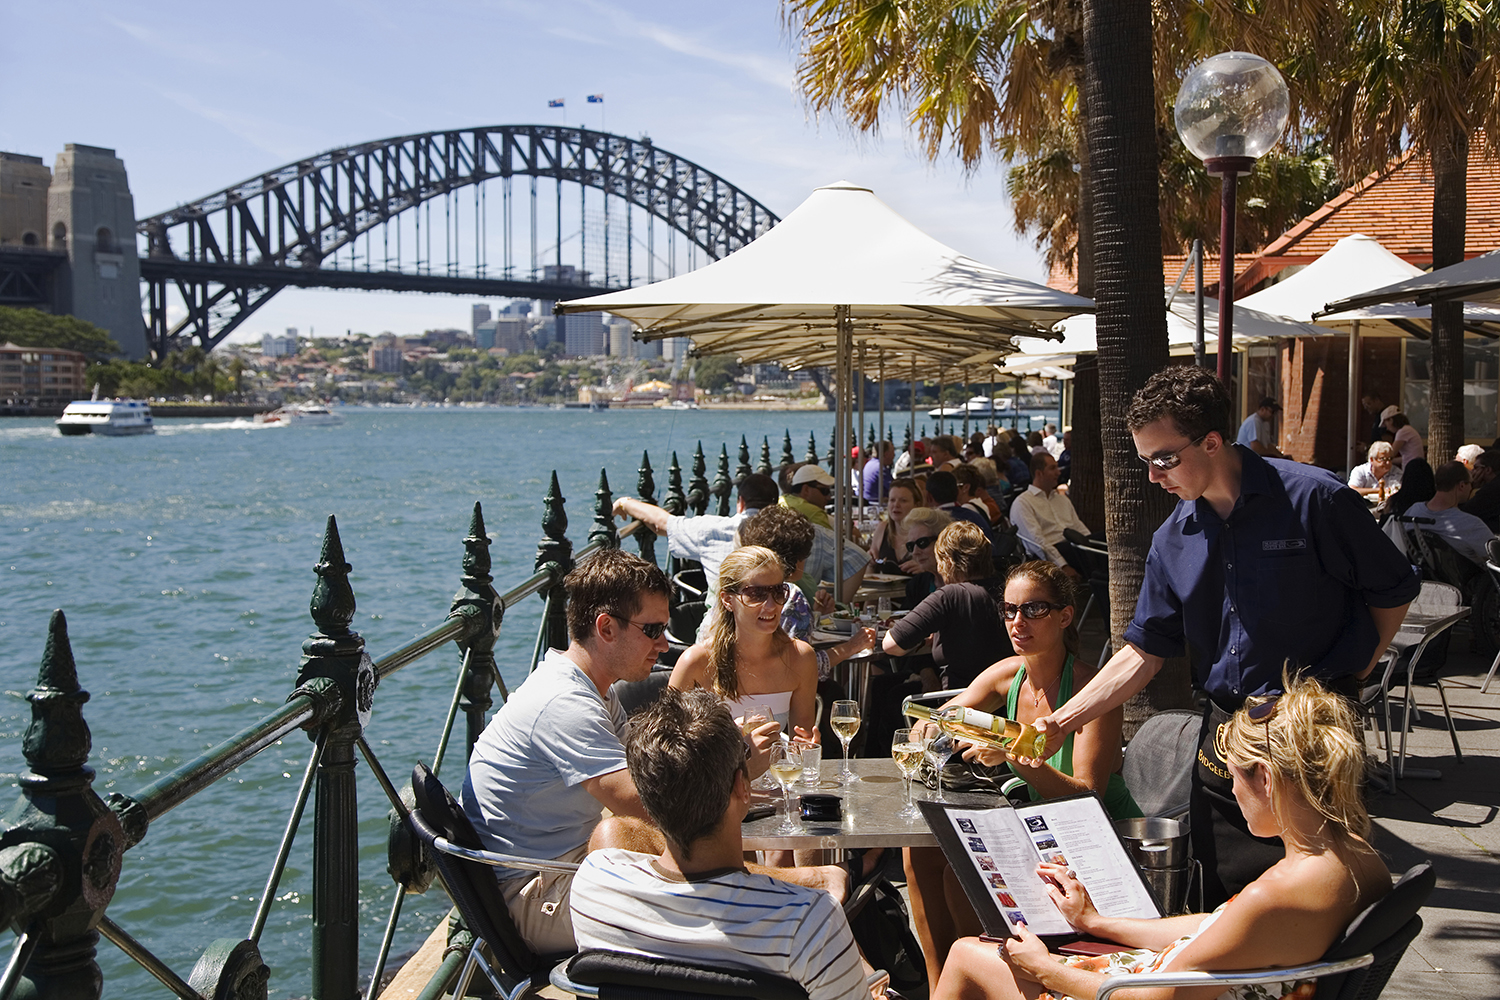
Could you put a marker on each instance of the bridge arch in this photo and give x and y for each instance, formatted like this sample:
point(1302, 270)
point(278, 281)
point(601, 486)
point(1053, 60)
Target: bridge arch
point(301, 225)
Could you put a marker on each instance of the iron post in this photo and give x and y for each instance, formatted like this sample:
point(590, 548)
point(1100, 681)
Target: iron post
point(812, 448)
point(645, 488)
point(554, 553)
point(722, 486)
point(786, 450)
point(603, 530)
point(743, 468)
point(764, 466)
point(476, 600)
point(697, 496)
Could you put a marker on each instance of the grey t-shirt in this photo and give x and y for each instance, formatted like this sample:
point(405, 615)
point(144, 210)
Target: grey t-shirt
point(524, 791)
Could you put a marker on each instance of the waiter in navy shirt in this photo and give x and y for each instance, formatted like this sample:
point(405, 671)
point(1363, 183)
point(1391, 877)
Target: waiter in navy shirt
point(1264, 562)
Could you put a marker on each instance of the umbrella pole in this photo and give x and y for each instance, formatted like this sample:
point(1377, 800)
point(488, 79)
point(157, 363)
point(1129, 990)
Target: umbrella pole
point(966, 404)
point(880, 436)
point(859, 439)
point(1352, 427)
point(1015, 410)
point(913, 401)
point(840, 449)
point(993, 420)
point(940, 413)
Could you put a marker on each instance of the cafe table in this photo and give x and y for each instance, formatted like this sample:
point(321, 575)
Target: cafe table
point(872, 804)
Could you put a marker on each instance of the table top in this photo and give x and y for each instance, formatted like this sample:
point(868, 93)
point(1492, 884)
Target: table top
point(1424, 621)
point(871, 806)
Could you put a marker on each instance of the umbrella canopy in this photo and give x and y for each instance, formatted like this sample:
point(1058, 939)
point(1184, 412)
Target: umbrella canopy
point(1354, 265)
point(905, 293)
point(1476, 280)
point(1250, 326)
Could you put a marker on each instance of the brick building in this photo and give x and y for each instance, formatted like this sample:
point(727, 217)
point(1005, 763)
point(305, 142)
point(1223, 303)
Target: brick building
point(42, 374)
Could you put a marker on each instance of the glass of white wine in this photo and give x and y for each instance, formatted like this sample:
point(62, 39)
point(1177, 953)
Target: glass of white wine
point(907, 752)
point(786, 768)
point(845, 721)
point(752, 718)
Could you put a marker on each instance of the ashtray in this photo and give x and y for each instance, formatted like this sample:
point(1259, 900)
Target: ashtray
point(822, 808)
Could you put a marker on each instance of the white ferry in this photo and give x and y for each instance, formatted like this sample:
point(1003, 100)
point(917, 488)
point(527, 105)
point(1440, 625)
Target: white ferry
point(302, 415)
point(111, 417)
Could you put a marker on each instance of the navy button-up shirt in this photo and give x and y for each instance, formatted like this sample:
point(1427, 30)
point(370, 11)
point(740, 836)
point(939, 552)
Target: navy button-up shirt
point(1289, 575)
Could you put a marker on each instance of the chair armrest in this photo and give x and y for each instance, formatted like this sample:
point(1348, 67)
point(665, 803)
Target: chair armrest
point(937, 696)
point(1313, 970)
point(504, 860)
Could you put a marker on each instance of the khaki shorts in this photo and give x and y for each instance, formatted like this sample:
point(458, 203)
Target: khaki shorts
point(538, 904)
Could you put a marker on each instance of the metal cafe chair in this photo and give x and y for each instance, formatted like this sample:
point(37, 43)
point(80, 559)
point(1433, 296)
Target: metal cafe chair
point(511, 966)
point(1356, 967)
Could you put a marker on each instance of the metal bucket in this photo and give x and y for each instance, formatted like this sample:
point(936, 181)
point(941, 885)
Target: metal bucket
point(1154, 843)
point(1159, 848)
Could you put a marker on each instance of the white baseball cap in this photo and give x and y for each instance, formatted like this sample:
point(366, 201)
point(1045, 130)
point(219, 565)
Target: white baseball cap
point(811, 474)
point(1389, 412)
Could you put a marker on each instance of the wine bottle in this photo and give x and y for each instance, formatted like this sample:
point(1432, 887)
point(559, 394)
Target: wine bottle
point(994, 731)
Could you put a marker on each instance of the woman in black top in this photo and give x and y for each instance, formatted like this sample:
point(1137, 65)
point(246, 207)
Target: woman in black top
point(962, 616)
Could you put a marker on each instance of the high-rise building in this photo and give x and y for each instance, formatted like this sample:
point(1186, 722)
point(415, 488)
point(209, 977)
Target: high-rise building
point(620, 344)
point(272, 346)
point(484, 334)
point(385, 354)
point(479, 313)
point(511, 333)
point(582, 334)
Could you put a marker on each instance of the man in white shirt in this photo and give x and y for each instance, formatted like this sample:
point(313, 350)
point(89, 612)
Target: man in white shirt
point(693, 900)
point(1041, 514)
point(1466, 533)
point(1258, 431)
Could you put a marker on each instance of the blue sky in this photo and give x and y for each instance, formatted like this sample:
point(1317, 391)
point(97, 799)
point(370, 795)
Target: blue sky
point(195, 96)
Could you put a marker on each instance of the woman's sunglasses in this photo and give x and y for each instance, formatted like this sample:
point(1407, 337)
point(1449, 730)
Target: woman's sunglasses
point(754, 595)
point(1031, 610)
point(919, 543)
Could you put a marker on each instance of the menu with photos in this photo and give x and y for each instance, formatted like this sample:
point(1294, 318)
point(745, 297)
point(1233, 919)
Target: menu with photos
point(995, 850)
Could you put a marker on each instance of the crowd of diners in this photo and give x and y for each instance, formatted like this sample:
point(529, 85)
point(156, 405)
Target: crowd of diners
point(1271, 575)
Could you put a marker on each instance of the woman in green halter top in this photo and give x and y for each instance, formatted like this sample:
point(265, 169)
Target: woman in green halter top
point(1044, 673)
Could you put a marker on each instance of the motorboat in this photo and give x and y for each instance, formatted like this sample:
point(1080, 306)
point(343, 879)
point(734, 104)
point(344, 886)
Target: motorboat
point(310, 414)
point(979, 406)
point(110, 417)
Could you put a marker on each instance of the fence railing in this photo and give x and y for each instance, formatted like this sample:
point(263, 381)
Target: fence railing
point(62, 846)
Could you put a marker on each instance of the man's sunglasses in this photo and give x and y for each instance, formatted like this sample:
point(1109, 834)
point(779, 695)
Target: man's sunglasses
point(754, 595)
point(1166, 463)
point(651, 630)
point(1031, 610)
point(919, 543)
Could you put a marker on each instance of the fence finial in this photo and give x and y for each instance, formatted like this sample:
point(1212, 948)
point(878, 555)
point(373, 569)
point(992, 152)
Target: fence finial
point(764, 466)
point(697, 495)
point(743, 468)
point(604, 516)
point(722, 486)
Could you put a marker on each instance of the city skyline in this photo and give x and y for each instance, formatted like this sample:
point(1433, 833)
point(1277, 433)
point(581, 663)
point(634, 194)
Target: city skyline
point(195, 97)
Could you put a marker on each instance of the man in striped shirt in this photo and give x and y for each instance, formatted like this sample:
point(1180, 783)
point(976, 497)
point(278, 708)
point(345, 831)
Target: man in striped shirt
point(696, 902)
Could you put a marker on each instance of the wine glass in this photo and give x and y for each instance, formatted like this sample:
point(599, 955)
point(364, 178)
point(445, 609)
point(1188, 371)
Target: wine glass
point(753, 718)
point(907, 753)
point(939, 748)
point(844, 718)
point(786, 768)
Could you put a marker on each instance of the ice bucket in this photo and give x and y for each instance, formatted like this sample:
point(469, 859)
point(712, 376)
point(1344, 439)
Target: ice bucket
point(1159, 848)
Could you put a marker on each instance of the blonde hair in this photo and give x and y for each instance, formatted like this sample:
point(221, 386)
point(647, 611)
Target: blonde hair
point(927, 517)
point(1310, 742)
point(737, 567)
point(1064, 591)
point(963, 548)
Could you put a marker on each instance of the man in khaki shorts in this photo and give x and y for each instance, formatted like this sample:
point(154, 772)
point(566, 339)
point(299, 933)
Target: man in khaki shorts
point(553, 758)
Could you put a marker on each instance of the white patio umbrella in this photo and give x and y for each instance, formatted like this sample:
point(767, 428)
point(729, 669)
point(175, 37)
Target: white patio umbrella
point(1475, 280)
point(1352, 266)
point(841, 270)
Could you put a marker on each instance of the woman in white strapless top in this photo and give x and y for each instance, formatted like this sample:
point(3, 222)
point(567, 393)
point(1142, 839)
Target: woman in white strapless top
point(748, 660)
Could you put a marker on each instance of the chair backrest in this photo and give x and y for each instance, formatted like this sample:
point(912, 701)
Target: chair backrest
point(1385, 928)
point(622, 976)
point(637, 695)
point(1438, 559)
point(1159, 761)
point(471, 885)
point(1438, 596)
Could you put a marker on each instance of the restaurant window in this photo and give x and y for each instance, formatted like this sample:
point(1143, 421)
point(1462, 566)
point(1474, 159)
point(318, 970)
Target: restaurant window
point(1481, 374)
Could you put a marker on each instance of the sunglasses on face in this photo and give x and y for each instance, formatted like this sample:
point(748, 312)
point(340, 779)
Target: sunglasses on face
point(919, 543)
point(651, 630)
point(754, 595)
point(1168, 462)
point(1031, 610)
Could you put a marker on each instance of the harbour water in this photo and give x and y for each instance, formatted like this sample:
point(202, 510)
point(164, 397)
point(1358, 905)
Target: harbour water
point(183, 561)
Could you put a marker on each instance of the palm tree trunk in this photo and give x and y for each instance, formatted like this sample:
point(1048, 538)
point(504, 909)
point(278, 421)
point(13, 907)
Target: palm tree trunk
point(1131, 324)
point(1086, 480)
point(1445, 422)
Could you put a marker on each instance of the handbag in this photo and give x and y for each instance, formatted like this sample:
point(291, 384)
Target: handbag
point(883, 932)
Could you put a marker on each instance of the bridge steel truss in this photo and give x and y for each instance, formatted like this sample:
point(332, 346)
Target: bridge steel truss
point(227, 254)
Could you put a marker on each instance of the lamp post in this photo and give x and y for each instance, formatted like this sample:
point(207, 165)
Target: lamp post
point(1231, 110)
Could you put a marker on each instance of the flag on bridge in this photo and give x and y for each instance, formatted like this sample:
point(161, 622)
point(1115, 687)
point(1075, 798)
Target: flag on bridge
point(596, 98)
point(560, 102)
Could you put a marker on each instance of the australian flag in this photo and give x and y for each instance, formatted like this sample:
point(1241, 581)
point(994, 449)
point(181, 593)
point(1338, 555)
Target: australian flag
point(560, 102)
point(596, 98)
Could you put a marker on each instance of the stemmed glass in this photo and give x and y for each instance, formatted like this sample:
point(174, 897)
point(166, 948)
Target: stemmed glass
point(939, 748)
point(753, 718)
point(786, 768)
point(845, 721)
point(907, 752)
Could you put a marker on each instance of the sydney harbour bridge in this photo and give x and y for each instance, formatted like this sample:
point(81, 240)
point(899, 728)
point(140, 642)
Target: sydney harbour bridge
point(440, 212)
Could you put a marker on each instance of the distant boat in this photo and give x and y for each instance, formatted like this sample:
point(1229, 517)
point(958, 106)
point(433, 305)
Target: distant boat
point(979, 406)
point(682, 404)
point(302, 415)
point(110, 417)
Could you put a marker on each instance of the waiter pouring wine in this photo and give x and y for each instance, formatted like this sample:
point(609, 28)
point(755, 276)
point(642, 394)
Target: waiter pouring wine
point(1264, 565)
